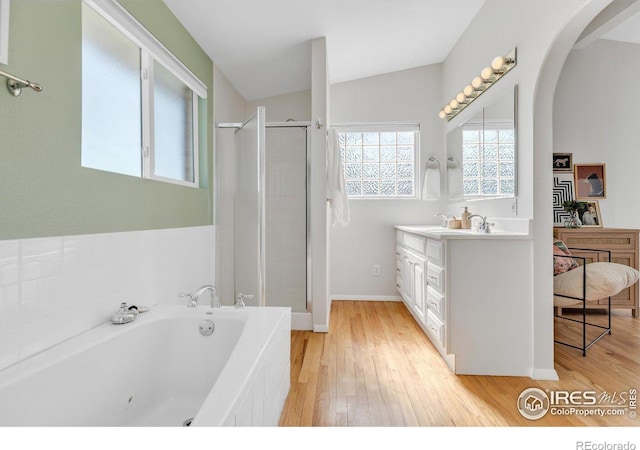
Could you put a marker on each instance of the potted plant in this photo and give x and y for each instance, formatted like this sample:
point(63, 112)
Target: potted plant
point(572, 207)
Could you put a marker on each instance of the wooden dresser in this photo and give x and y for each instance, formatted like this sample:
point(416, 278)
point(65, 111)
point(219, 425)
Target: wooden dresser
point(623, 244)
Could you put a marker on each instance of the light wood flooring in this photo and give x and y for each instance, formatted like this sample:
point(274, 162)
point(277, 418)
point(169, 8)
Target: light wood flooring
point(376, 367)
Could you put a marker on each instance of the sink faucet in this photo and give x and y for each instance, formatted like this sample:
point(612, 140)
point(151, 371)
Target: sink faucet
point(483, 226)
point(195, 296)
point(444, 218)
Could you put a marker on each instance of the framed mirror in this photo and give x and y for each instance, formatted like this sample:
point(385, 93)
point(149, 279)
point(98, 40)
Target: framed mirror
point(484, 148)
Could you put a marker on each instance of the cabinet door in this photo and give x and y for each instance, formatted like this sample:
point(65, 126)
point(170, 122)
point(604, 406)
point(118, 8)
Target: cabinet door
point(406, 274)
point(419, 286)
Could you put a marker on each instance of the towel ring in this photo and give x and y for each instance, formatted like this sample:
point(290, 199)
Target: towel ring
point(433, 163)
point(452, 163)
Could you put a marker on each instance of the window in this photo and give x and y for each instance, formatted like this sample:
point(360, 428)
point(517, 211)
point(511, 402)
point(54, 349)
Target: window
point(139, 103)
point(488, 160)
point(380, 162)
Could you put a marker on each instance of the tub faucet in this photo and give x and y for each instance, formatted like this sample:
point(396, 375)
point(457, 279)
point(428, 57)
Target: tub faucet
point(195, 296)
point(240, 300)
point(124, 314)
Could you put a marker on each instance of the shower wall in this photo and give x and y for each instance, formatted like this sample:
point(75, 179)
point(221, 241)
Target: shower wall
point(286, 217)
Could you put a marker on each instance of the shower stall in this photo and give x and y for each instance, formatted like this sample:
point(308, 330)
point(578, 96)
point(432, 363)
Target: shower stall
point(271, 226)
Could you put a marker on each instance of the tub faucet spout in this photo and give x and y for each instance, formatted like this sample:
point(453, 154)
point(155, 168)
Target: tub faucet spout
point(195, 296)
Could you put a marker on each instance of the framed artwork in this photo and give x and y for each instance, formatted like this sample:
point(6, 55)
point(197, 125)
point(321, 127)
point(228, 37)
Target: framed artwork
point(4, 31)
point(590, 181)
point(563, 162)
point(590, 214)
point(562, 191)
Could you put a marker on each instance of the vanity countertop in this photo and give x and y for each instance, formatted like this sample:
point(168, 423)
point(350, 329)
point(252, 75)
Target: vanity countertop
point(439, 232)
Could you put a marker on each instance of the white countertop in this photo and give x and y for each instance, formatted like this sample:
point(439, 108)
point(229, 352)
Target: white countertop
point(439, 232)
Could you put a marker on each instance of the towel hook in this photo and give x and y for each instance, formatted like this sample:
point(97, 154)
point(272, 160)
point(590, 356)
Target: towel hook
point(452, 163)
point(433, 163)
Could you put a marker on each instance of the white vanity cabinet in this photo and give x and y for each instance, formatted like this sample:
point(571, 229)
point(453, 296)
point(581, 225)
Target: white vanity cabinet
point(417, 272)
point(470, 295)
point(410, 281)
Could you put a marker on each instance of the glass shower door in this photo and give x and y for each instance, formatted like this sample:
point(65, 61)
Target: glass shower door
point(249, 236)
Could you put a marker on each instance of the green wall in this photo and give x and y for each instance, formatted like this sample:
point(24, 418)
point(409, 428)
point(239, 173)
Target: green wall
point(43, 189)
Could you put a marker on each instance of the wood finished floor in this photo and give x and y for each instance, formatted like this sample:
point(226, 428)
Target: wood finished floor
point(376, 367)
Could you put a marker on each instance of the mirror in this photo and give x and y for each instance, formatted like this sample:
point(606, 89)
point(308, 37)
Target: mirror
point(482, 152)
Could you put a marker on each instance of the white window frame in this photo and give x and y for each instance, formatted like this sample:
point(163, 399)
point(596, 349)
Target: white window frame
point(151, 49)
point(381, 128)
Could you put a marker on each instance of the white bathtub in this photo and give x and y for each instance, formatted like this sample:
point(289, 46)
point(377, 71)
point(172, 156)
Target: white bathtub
point(158, 371)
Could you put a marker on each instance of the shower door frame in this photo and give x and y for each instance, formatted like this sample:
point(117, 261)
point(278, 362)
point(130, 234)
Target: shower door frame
point(309, 262)
point(305, 125)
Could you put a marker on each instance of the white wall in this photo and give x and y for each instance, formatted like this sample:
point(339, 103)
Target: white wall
point(228, 107)
point(54, 288)
point(543, 32)
point(406, 96)
point(295, 105)
point(596, 110)
point(319, 302)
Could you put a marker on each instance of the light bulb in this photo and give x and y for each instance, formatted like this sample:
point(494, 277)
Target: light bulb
point(442, 114)
point(447, 109)
point(498, 63)
point(486, 73)
point(477, 82)
point(461, 97)
point(453, 103)
point(468, 90)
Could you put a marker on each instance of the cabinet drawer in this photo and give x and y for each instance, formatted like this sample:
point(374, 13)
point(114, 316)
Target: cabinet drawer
point(414, 242)
point(435, 251)
point(435, 277)
point(437, 329)
point(435, 302)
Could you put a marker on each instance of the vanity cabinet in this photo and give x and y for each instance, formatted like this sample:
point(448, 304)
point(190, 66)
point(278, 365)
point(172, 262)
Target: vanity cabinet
point(623, 245)
point(410, 281)
point(471, 295)
point(421, 283)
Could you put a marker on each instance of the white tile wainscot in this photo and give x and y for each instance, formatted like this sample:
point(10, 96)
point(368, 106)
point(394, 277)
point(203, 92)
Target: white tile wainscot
point(54, 288)
point(465, 291)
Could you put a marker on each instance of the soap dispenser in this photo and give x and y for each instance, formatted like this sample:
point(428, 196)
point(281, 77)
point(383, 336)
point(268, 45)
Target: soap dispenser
point(466, 223)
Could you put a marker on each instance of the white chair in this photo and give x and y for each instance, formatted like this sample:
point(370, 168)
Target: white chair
point(587, 283)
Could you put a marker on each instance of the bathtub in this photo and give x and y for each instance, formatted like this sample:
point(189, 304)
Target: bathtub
point(158, 371)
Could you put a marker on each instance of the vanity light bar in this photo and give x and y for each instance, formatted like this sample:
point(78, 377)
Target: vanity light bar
point(500, 66)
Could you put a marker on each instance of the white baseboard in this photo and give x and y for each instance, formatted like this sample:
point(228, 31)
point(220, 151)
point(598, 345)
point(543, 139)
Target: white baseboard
point(368, 298)
point(302, 321)
point(320, 328)
point(544, 374)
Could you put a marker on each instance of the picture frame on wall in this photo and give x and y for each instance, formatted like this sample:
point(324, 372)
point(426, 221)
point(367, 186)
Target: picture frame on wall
point(563, 190)
point(590, 215)
point(590, 181)
point(563, 162)
point(4, 32)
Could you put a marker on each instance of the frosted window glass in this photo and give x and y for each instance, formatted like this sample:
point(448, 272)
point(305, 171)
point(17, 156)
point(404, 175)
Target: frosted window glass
point(379, 164)
point(173, 126)
point(111, 100)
